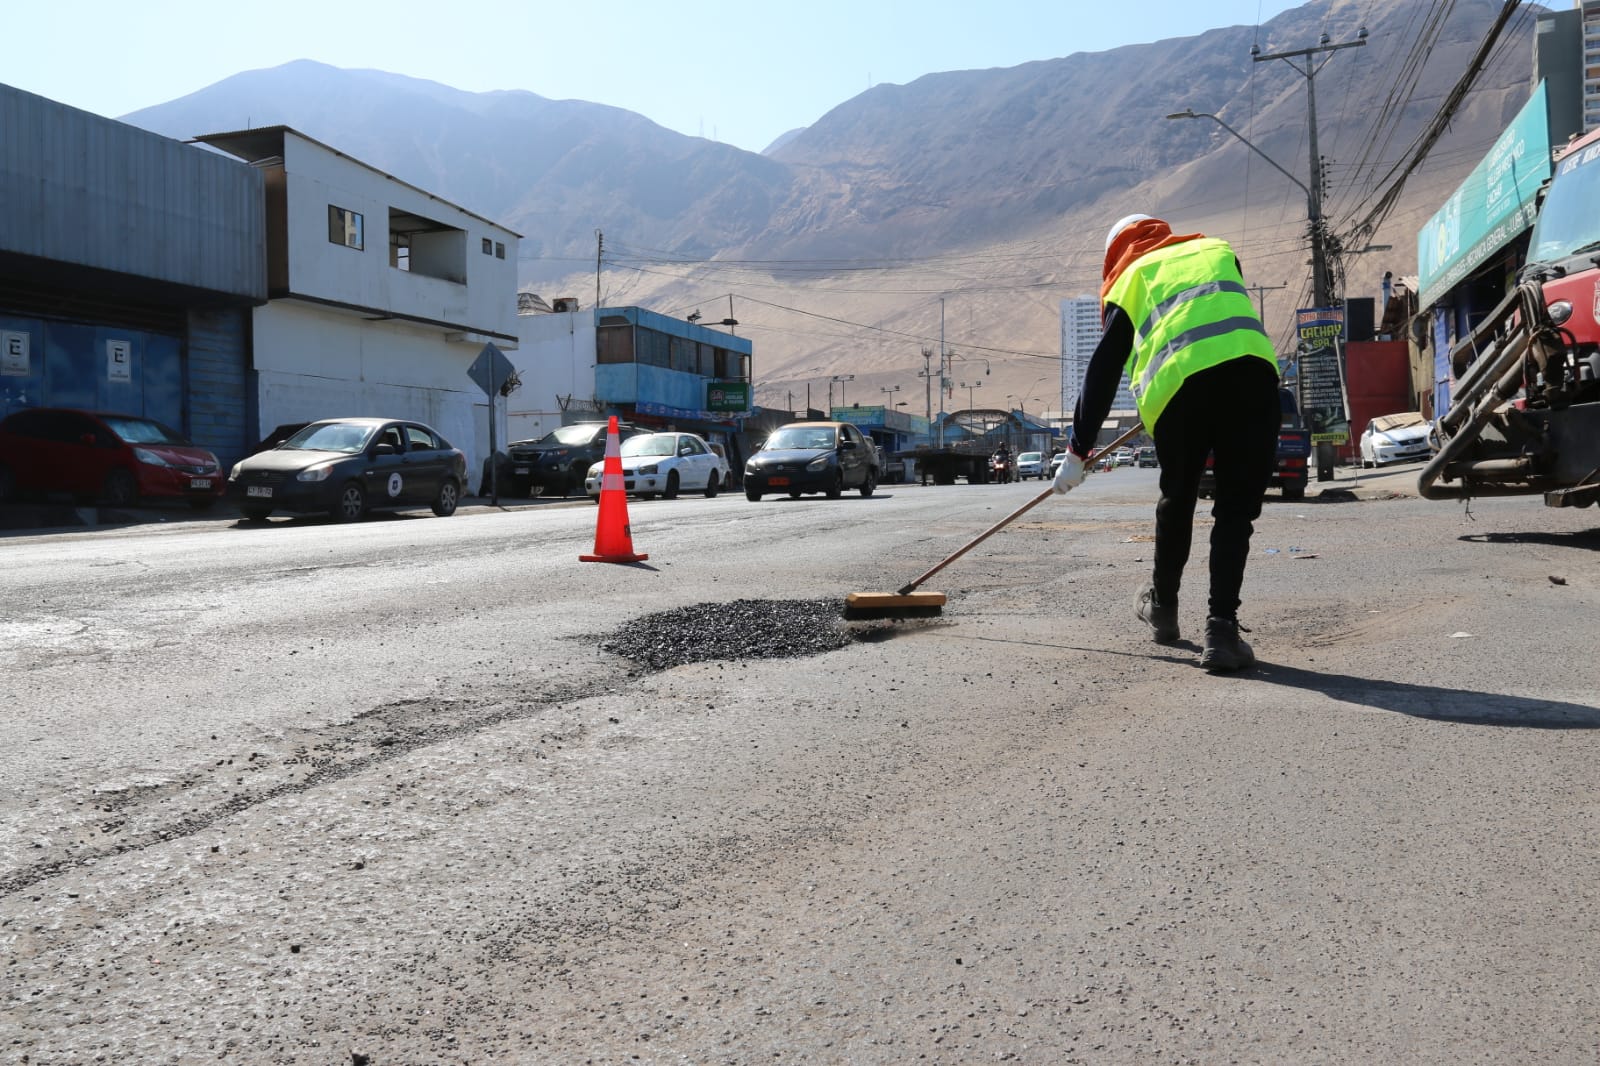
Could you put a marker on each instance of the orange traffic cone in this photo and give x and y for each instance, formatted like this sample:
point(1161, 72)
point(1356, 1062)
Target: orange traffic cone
point(613, 538)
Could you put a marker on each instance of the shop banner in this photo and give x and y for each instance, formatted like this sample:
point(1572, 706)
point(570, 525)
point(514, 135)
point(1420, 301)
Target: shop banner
point(1319, 356)
point(731, 396)
point(1494, 204)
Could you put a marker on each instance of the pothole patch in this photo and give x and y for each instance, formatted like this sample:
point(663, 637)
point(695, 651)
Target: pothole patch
point(740, 629)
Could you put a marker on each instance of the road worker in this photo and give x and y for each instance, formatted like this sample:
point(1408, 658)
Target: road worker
point(1177, 318)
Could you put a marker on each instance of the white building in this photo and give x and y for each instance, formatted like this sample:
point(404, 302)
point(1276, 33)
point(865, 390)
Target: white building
point(1080, 333)
point(380, 295)
point(555, 361)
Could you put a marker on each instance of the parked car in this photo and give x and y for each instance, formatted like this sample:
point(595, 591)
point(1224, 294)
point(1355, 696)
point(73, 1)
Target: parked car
point(1122, 457)
point(277, 436)
point(724, 468)
point(1030, 464)
point(115, 459)
point(558, 461)
point(349, 466)
point(1146, 457)
point(826, 457)
point(1055, 465)
point(1395, 439)
point(664, 464)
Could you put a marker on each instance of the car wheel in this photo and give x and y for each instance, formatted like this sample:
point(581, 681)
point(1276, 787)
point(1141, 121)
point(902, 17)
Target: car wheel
point(671, 491)
point(794, 494)
point(836, 489)
point(1294, 492)
point(712, 485)
point(352, 504)
point(444, 505)
point(869, 484)
point(121, 490)
point(752, 495)
point(255, 514)
point(8, 483)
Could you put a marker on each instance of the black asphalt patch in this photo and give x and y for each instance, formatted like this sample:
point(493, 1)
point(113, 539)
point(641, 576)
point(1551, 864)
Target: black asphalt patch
point(741, 629)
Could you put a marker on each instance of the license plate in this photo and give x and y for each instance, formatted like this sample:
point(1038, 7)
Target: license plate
point(777, 481)
point(520, 469)
point(258, 490)
point(199, 483)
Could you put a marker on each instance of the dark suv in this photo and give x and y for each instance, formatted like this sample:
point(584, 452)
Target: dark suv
point(557, 461)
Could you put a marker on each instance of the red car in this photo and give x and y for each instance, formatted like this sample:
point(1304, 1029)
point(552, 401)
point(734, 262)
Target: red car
point(115, 459)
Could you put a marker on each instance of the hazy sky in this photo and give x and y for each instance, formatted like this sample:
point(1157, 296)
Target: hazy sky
point(743, 73)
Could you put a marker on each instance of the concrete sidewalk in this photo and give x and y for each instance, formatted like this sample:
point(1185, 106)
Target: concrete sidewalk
point(1381, 483)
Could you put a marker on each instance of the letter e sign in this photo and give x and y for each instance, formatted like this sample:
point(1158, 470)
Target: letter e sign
point(14, 354)
point(119, 360)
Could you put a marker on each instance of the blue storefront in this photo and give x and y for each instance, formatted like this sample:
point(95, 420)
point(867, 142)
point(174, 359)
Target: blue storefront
point(129, 263)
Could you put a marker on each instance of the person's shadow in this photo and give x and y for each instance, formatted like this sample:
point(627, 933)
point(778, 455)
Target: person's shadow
point(1430, 701)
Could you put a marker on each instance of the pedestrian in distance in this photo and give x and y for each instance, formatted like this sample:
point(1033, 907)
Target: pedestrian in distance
point(1176, 316)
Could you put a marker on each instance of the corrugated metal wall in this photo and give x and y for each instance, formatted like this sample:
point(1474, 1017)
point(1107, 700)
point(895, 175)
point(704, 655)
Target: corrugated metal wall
point(221, 414)
point(78, 188)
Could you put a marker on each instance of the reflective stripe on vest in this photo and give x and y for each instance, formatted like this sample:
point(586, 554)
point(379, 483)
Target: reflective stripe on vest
point(1187, 294)
point(1190, 312)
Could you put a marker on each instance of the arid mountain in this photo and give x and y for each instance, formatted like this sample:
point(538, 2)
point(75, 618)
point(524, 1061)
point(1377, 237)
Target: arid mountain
point(965, 204)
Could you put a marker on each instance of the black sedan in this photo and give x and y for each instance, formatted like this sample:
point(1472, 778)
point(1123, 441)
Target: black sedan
point(348, 466)
point(826, 457)
point(557, 461)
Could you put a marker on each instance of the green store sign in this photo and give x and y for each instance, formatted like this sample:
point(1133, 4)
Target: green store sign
point(1489, 208)
point(728, 396)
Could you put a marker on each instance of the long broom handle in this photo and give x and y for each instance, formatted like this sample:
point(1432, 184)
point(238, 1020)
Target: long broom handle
point(906, 589)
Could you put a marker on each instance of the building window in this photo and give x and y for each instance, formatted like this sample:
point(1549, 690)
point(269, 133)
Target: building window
point(499, 250)
point(488, 246)
point(345, 227)
point(614, 344)
point(425, 247)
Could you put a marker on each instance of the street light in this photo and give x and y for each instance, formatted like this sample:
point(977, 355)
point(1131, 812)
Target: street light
point(1322, 291)
point(888, 394)
point(841, 379)
point(971, 404)
point(1319, 277)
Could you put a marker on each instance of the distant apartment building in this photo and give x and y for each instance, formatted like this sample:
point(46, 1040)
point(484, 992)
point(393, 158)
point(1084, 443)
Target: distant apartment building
point(1591, 64)
point(1080, 332)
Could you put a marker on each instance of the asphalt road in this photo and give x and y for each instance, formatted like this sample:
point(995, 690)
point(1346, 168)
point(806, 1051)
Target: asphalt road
point(310, 793)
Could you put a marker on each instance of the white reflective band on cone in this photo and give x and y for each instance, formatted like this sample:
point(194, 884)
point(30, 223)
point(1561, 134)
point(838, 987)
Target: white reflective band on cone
point(612, 482)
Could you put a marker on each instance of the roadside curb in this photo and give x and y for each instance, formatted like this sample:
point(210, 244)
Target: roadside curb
point(1387, 484)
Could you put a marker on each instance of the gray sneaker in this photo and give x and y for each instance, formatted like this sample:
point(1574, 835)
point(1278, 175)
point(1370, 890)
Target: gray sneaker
point(1224, 651)
point(1162, 618)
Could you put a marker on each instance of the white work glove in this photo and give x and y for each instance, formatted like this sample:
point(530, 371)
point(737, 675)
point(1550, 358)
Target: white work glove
point(1069, 476)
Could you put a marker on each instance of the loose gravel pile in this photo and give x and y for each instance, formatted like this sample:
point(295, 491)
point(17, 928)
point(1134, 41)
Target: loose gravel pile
point(742, 629)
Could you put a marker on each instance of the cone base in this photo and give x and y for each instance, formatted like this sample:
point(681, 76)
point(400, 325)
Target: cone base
point(612, 558)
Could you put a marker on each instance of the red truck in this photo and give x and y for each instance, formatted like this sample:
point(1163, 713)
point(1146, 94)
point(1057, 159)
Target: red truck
point(1524, 416)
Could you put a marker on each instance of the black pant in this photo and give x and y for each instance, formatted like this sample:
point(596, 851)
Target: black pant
point(1230, 411)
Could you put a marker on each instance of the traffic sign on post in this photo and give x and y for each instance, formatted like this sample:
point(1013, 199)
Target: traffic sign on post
point(490, 370)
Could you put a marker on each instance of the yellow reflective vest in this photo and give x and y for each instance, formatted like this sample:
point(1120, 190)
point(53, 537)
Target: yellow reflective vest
point(1190, 311)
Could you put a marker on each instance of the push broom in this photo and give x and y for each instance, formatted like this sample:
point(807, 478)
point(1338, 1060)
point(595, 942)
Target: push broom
point(906, 602)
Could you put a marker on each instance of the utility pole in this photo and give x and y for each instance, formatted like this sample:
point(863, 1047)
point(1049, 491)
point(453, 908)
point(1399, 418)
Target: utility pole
point(599, 249)
point(1321, 285)
point(1261, 299)
point(943, 355)
point(927, 382)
